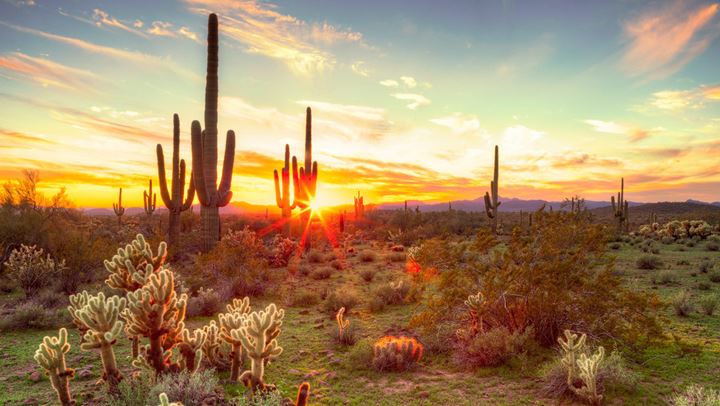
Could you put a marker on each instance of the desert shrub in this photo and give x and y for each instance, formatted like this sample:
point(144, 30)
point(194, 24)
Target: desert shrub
point(321, 273)
point(344, 296)
point(682, 303)
point(696, 395)
point(706, 266)
point(367, 275)
point(704, 286)
point(396, 353)
point(31, 315)
point(206, 302)
point(189, 389)
point(239, 262)
point(667, 240)
point(51, 299)
point(714, 276)
point(267, 398)
point(304, 298)
point(360, 356)
point(331, 256)
point(712, 246)
point(315, 257)
point(557, 277)
point(392, 293)
point(493, 347)
point(397, 257)
point(304, 270)
point(648, 262)
point(337, 264)
point(690, 243)
point(31, 269)
point(282, 249)
point(368, 256)
point(708, 304)
point(683, 262)
point(665, 277)
point(376, 304)
point(134, 391)
point(615, 246)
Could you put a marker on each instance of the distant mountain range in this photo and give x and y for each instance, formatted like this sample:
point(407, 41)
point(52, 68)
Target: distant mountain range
point(508, 205)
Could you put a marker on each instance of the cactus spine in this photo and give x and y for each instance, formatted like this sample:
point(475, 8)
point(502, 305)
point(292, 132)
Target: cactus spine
point(51, 357)
point(359, 207)
point(259, 339)
point(491, 201)
point(173, 198)
point(305, 181)
point(204, 150)
point(102, 328)
point(149, 200)
point(283, 200)
point(118, 208)
point(621, 208)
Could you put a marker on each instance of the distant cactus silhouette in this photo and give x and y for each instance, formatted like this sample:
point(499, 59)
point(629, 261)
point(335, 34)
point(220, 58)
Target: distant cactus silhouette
point(491, 199)
point(305, 180)
point(621, 209)
point(204, 150)
point(359, 207)
point(149, 200)
point(283, 199)
point(118, 208)
point(173, 198)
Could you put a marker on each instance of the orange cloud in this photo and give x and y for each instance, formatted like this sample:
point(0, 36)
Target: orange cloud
point(633, 133)
point(102, 18)
point(45, 72)
point(662, 41)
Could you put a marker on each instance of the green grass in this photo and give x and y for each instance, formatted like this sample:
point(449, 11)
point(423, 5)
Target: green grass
point(310, 353)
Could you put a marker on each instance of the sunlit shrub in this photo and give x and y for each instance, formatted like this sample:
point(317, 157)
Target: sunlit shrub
point(321, 273)
point(682, 303)
point(493, 347)
point(696, 395)
point(206, 302)
point(32, 269)
point(194, 389)
point(344, 296)
point(282, 249)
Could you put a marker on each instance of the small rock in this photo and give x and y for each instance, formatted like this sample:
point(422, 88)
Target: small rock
point(331, 375)
point(294, 372)
point(35, 376)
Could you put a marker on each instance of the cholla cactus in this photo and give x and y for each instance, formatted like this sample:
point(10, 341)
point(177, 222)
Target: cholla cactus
point(31, 268)
point(191, 349)
point(588, 367)
point(475, 304)
point(51, 356)
point(572, 348)
point(214, 348)
point(155, 311)
point(131, 266)
point(100, 317)
point(230, 325)
point(396, 353)
point(259, 340)
point(164, 401)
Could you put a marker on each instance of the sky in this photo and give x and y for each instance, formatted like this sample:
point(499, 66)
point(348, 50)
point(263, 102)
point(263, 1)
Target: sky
point(409, 97)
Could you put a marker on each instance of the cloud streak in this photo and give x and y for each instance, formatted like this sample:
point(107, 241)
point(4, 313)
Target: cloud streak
point(45, 72)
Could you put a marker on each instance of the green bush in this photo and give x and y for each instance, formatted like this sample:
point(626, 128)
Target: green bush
point(31, 315)
point(392, 293)
point(360, 356)
point(493, 347)
point(682, 303)
point(708, 304)
point(344, 296)
point(189, 389)
point(304, 298)
point(712, 246)
point(696, 395)
point(32, 269)
point(648, 262)
point(706, 266)
point(134, 391)
point(714, 276)
point(666, 277)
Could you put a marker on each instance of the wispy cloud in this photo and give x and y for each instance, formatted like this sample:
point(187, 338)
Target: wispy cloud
point(681, 100)
point(415, 100)
point(17, 65)
point(662, 41)
point(103, 19)
point(132, 56)
point(608, 127)
point(161, 29)
point(409, 81)
point(458, 122)
point(389, 83)
point(187, 33)
point(360, 68)
point(266, 31)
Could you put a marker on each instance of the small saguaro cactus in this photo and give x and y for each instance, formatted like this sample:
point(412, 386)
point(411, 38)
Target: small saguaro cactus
point(100, 316)
point(259, 340)
point(175, 199)
point(204, 150)
point(341, 223)
point(149, 200)
point(359, 207)
point(155, 311)
point(118, 208)
point(230, 325)
point(303, 394)
point(491, 199)
point(305, 180)
point(620, 208)
point(283, 198)
point(51, 357)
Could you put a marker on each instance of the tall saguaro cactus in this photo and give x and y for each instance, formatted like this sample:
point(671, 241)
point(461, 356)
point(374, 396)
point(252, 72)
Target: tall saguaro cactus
point(491, 199)
point(621, 209)
point(118, 208)
point(359, 206)
point(149, 200)
point(204, 150)
point(305, 180)
point(174, 202)
point(283, 200)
